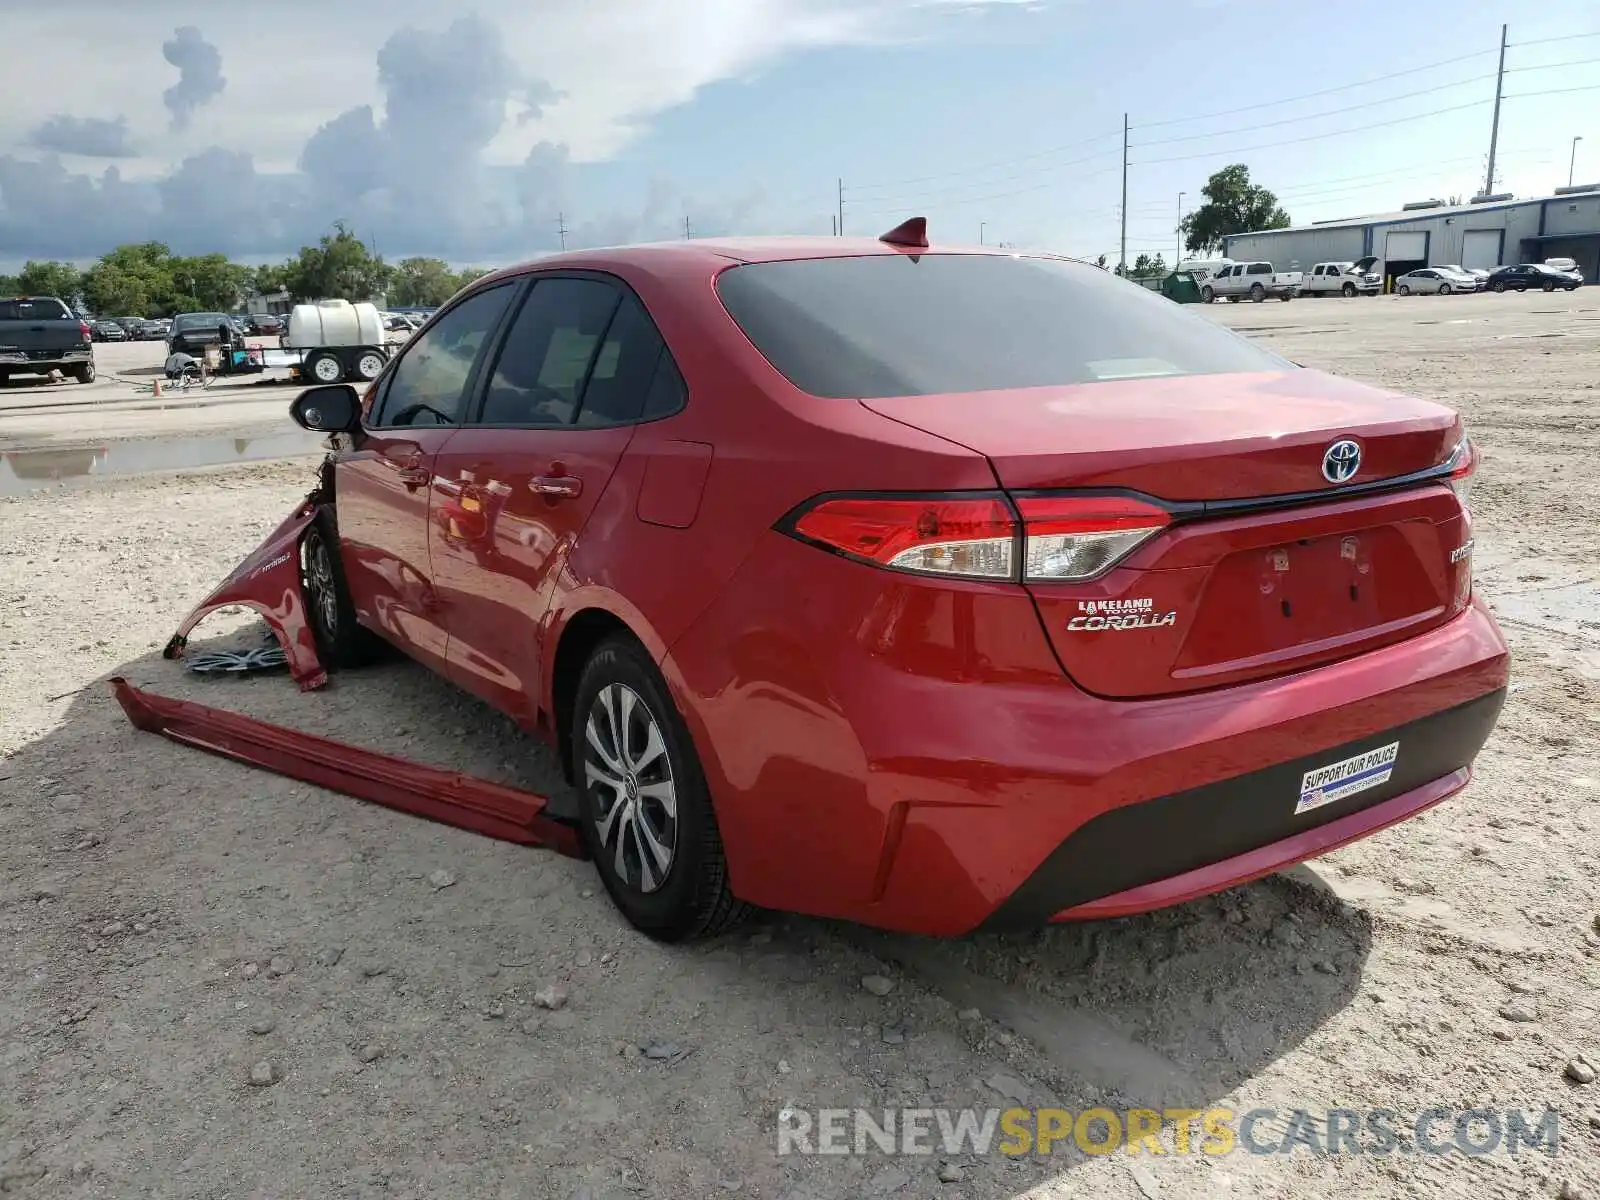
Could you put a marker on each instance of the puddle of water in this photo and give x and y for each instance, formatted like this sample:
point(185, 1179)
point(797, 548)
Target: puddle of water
point(24, 471)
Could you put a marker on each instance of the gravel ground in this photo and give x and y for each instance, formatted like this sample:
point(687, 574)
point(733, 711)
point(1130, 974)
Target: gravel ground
point(216, 982)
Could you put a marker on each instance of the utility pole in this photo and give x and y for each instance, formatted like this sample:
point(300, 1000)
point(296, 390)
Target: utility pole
point(1179, 259)
point(981, 226)
point(686, 229)
point(1494, 131)
point(1573, 161)
point(1123, 260)
point(841, 208)
point(561, 225)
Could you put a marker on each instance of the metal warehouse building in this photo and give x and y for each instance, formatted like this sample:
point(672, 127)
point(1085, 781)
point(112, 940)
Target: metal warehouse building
point(1489, 232)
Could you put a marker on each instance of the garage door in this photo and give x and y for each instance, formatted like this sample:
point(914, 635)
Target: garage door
point(1480, 248)
point(1405, 247)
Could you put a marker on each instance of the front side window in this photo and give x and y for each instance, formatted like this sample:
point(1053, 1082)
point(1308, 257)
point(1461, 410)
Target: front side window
point(427, 386)
point(539, 376)
point(926, 324)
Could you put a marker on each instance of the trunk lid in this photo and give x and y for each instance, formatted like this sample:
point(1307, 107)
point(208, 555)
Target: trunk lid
point(1268, 567)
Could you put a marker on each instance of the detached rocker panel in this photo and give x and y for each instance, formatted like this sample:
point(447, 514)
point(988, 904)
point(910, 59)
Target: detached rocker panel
point(445, 796)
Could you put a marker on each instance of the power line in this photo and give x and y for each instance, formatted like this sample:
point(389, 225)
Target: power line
point(1588, 87)
point(1438, 112)
point(935, 196)
point(991, 165)
point(1332, 112)
point(1571, 37)
point(1344, 87)
point(985, 199)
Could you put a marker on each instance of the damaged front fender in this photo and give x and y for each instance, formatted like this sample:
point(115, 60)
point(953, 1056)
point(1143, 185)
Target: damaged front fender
point(268, 580)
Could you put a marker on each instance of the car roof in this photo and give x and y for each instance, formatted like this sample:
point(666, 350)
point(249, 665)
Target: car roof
point(715, 253)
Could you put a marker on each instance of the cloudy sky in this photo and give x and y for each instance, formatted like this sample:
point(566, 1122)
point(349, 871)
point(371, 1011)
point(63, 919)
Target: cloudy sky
point(478, 134)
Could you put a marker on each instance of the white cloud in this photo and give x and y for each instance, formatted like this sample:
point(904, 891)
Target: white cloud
point(458, 131)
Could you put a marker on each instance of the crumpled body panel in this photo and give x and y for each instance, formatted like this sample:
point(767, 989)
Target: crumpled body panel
point(268, 580)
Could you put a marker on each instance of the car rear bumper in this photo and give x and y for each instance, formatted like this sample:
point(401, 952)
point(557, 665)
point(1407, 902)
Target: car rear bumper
point(47, 359)
point(911, 757)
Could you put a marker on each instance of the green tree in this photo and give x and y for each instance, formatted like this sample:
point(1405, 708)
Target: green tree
point(216, 284)
point(10, 285)
point(1233, 205)
point(422, 283)
point(59, 279)
point(339, 267)
point(114, 291)
point(1144, 266)
point(270, 278)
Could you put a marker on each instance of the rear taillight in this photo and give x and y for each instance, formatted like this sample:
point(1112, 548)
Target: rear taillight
point(85, 332)
point(974, 537)
point(1463, 461)
point(982, 536)
point(1074, 538)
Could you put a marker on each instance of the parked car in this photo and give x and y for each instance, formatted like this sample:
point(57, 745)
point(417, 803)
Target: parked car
point(1569, 265)
point(191, 333)
point(1257, 280)
point(1477, 273)
point(263, 325)
point(151, 331)
point(1440, 281)
point(1532, 275)
point(1343, 279)
point(41, 334)
point(108, 331)
point(1017, 593)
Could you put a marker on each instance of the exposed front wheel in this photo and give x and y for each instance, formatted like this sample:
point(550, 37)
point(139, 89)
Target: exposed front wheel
point(1497, 286)
point(1444, 289)
point(341, 642)
point(1349, 290)
point(645, 809)
point(1404, 290)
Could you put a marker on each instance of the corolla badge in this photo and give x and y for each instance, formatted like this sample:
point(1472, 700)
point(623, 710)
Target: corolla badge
point(1341, 461)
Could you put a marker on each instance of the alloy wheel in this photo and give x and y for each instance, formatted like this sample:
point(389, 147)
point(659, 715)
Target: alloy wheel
point(628, 774)
point(322, 591)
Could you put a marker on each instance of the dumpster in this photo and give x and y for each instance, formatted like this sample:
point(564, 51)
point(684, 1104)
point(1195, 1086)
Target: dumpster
point(1181, 288)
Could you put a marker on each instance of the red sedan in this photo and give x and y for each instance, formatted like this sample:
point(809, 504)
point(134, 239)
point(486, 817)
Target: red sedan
point(937, 590)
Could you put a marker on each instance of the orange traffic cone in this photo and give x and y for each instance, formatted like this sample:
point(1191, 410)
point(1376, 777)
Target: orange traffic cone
point(158, 388)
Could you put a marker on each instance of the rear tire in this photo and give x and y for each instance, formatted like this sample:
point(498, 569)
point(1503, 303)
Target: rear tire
point(370, 364)
point(1257, 293)
point(640, 787)
point(83, 372)
point(1207, 295)
point(341, 642)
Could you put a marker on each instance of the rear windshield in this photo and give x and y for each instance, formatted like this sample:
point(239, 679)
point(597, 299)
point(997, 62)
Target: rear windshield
point(921, 325)
point(199, 321)
point(34, 310)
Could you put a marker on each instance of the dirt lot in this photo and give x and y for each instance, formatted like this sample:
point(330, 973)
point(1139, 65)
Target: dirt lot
point(174, 924)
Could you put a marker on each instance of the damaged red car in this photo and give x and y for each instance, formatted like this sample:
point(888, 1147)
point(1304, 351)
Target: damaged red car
point(936, 590)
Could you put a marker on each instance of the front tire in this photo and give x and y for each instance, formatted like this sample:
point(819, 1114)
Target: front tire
point(644, 806)
point(1404, 289)
point(1444, 289)
point(1349, 290)
point(341, 642)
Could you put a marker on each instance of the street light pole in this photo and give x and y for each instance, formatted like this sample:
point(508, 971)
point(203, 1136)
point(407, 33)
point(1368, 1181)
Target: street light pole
point(1573, 161)
point(982, 225)
point(1179, 259)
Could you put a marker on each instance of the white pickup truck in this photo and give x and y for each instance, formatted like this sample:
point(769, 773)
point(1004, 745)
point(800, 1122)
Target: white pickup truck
point(1257, 280)
point(1343, 279)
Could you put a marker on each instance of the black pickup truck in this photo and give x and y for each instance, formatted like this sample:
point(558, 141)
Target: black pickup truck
point(40, 334)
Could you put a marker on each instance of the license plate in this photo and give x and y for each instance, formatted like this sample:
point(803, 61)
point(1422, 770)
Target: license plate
point(1344, 778)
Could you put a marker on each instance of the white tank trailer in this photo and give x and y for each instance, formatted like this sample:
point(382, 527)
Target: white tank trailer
point(338, 341)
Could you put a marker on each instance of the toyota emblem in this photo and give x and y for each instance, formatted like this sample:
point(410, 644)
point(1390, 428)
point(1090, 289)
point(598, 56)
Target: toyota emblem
point(1341, 461)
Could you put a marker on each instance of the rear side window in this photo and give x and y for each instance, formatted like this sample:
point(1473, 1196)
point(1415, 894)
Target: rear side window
point(919, 325)
point(1259, 269)
point(34, 310)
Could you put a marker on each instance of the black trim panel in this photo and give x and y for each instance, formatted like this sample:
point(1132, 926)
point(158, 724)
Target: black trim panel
point(1142, 843)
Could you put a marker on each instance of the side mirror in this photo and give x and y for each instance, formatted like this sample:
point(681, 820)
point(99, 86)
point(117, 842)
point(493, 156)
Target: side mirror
point(333, 408)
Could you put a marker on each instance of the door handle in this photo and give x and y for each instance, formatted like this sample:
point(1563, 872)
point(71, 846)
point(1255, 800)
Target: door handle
point(412, 473)
point(556, 485)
